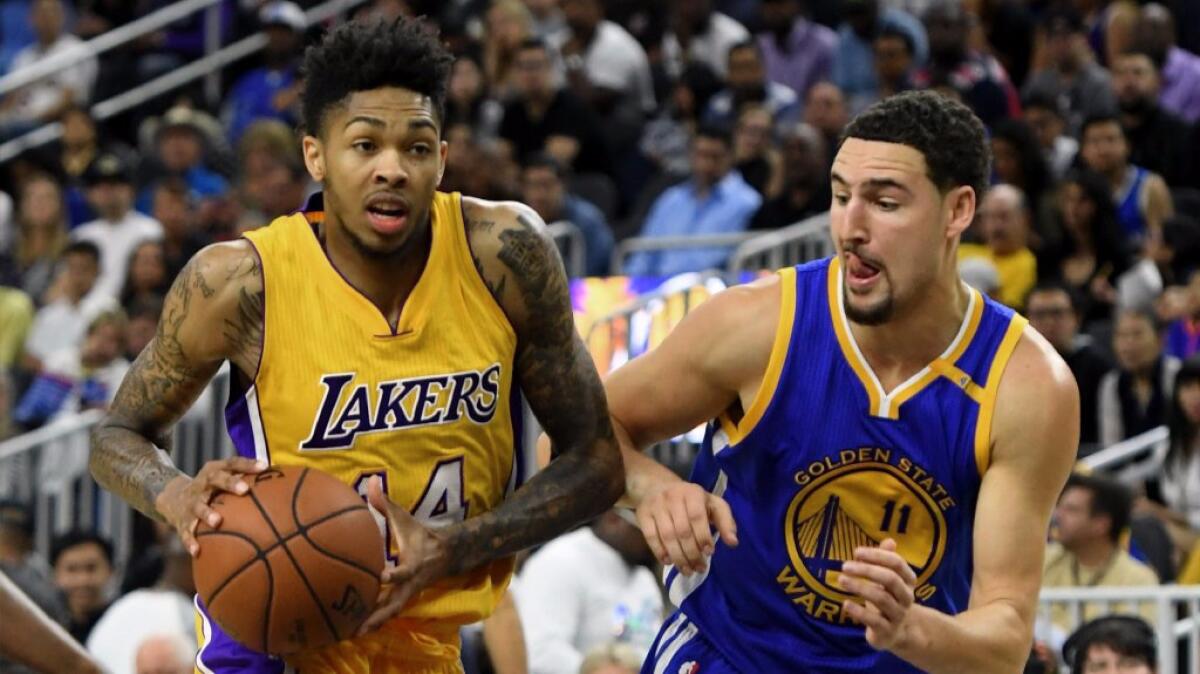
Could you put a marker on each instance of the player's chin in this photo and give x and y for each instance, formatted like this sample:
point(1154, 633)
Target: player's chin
point(873, 307)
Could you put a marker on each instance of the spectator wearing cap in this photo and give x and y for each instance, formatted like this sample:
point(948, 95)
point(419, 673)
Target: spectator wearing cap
point(181, 143)
point(1044, 114)
point(796, 52)
point(697, 32)
point(273, 181)
point(1158, 140)
point(544, 188)
point(854, 60)
point(1071, 71)
point(62, 323)
point(81, 143)
point(271, 91)
point(119, 228)
point(1180, 69)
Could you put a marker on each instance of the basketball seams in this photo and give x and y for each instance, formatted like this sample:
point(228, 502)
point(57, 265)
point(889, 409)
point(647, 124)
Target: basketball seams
point(312, 593)
point(259, 554)
point(302, 529)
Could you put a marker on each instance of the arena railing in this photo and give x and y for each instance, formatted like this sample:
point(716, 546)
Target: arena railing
point(642, 244)
point(571, 245)
point(795, 244)
point(208, 66)
point(1132, 461)
point(1172, 610)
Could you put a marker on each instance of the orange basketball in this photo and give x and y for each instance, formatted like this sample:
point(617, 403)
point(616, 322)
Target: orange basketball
point(295, 564)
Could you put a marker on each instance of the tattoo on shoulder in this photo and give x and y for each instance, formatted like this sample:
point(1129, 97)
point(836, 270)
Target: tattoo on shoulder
point(539, 278)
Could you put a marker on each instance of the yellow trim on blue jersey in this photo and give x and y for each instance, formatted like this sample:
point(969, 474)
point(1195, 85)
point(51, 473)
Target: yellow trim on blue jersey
point(961, 379)
point(987, 406)
point(779, 350)
point(884, 404)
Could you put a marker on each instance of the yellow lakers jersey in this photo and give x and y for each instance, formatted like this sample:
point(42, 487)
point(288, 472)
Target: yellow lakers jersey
point(430, 406)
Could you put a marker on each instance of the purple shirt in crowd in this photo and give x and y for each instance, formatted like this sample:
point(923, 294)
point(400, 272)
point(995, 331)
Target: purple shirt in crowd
point(1181, 84)
point(805, 58)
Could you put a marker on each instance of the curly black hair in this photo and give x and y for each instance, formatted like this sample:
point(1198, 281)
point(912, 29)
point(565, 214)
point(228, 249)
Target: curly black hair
point(946, 132)
point(360, 56)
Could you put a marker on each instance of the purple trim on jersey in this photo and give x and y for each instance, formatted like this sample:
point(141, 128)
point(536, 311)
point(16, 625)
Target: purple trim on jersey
point(222, 655)
point(237, 421)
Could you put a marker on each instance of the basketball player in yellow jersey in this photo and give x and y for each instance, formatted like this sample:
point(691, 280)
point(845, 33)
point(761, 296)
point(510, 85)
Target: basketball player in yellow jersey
point(379, 335)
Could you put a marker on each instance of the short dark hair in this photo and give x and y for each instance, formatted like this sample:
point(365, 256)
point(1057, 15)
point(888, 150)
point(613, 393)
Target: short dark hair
point(534, 42)
point(361, 56)
point(946, 132)
point(1105, 117)
point(714, 132)
point(18, 515)
point(543, 160)
point(749, 43)
point(1157, 58)
point(1045, 100)
point(1058, 287)
point(1110, 499)
point(77, 537)
point(1128, 636)
point(83, 248)
point(894, 32)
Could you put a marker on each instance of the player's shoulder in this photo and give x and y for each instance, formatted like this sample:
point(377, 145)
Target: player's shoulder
point(1037, 398)
point(227, 266)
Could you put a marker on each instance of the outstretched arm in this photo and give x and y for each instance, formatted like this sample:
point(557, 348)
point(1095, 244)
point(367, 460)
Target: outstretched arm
point(31, 638)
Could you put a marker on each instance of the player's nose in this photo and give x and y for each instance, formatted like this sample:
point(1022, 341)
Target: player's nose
point(389, 169)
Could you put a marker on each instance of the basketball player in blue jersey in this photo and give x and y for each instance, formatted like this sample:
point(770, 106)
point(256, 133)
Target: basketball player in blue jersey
point(381, 335)
point(888, 444)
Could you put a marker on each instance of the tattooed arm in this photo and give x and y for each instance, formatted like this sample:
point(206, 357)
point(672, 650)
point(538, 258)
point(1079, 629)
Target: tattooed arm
point(221, 286)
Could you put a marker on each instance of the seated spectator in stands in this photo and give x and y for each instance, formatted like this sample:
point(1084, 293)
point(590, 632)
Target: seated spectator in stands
point(182, 41)
point(165, 654)
point(1135, 397)
point(805, 189)
point(697, 32)
point(175, 210)
point(585, 589)
point(119, 228)
point(143, 322)
point(41, 235)
point(755, 155)
point(1183, 335)
point(1016, 161)
point(1141, 196)
point(1114, 644)
point(271, 91)
point(1091, 253)
point(797, 52)
point(467, 99)
point(83, 569)
point(147, 276)
point(544, 188)
point(854, 60)
point(1071, 71)
point(62, 322)
point(1180, 69)
point(180, 147)
point(1179, 480)
point(78, 378)
point(42, 101)
point(612, 658)
point(1004, 220)
point(79, 146)
point(667, 138)
point(1053, 310)
point(715, 200)
point(748, 84)
point(1092, 514)
point(1158, 140)
point(825, 109)
point(895, 61)
point(22, 564)
point(546, 117)
point(977, 77)
point(507, 24)
point(547, 18)
point(1044, 115)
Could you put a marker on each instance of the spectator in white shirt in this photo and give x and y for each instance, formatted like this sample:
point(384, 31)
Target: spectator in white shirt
point(119, 229)
point(586, 589)
point(42, 101)
point(62, 323)
point(698, 33)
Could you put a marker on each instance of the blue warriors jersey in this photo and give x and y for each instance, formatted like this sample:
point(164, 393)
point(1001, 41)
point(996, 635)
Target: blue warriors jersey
point(824, 461)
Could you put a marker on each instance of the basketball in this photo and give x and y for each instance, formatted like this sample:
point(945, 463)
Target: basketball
point(295, 564)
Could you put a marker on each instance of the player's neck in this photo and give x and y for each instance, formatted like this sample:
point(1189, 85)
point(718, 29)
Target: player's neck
point(916, 335)
point(385, 280)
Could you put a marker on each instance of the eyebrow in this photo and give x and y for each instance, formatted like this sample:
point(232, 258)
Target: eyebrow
point(421, 123)
point(874, 183)
point(373, 121)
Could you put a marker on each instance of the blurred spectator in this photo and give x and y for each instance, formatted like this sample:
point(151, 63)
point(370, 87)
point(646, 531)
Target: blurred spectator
point(1092, 514)
point(547, 17)
point(1043, 113)
point(175, 209)
point(544, 188)
point(180, 149)
point(15, 30)
point(16, 315)
point(1016, 161)
point(697, 32)
point(805, 180)
point(1071, 72)
point(854, 60)
point(1141, 196)
point(42, 101)
point(977, 77)
point(163, 610)
point(183, 40)
point(83, 568)
point(467, 154)
point(1183, 336)
point(748, 84)
point(825, 109)
point(97, 17)
point(1114, 644)
point(611, 658)
point(894, 61)
point(1054, 311)
point(666, 139)
point(80, 377)
point(1007, 28)
point(119, 228)
point(41, 234)
point(754, 153)
point(545, 117)
point(1158, 140)
point(1134, 398)
point(608, 70)
point(147, 275)
point(587, 588)
point(467, 100)
point(163, 654)
point(1091, 253)
point(80, 145)
point(508, 25)
point(271, 91)
point(1004, 219)
point(797, 53)
point(143, 322)
point(1179, 481)
point(25, 567)
point(716, 200)
point(1180, 69)
point(63, 322)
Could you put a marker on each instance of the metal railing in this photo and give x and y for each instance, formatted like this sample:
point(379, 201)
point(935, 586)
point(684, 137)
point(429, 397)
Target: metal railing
point(1134, 460)
point(643, 244)
point(795, 244)
point(1173, 611)
point(571, 245)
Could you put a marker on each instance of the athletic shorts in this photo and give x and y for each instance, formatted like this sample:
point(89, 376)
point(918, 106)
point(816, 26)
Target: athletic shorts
point(681, 649)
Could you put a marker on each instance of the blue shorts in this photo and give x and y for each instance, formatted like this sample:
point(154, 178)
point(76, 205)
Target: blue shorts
point(679, 648)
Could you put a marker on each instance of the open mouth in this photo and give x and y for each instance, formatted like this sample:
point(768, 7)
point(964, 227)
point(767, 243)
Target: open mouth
point(386, 214)
point(860, 273)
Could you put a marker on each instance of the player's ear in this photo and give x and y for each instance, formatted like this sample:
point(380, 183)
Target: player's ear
point(314, 158)
point(444, 151)
point(960, 203)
